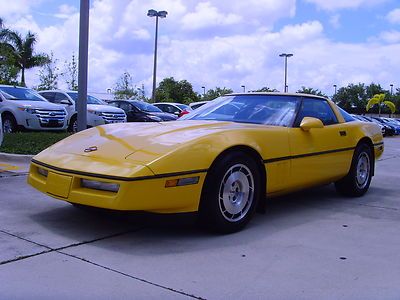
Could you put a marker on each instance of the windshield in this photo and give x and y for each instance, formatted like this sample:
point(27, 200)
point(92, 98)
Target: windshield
point(17, 93)
point(90, 99)
point(258, 109)
point(144, 106)
point(184, 107)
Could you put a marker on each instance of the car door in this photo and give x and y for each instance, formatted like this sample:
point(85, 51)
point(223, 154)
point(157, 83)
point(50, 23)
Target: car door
point(320, 155)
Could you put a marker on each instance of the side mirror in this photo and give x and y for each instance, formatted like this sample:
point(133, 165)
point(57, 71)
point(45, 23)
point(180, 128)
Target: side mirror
point(65, 101)
point(308, 123)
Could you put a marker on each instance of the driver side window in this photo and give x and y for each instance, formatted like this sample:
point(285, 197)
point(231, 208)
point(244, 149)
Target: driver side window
point(316, 108)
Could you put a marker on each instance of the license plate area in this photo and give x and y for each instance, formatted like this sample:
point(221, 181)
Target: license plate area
point(58, 185)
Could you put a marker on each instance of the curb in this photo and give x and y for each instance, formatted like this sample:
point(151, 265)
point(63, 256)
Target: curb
point(21, 158)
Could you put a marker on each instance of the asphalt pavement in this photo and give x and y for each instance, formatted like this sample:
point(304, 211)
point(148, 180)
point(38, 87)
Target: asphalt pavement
point(309, 245)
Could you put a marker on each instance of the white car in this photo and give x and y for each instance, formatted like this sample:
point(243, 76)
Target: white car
point(195, 105)
point(23, 107)
point(98, 112)
point(177, 109)
point(1, 131)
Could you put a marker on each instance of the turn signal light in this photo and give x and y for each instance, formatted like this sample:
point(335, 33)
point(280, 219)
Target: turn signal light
point(182, 181)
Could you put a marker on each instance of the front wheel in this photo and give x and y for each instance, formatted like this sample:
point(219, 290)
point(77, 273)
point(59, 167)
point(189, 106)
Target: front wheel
point(9, 124)
point(231, 192)
point(357, 181)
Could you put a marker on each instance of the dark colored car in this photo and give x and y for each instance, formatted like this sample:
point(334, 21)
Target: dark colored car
point(390, 130)
point(139, 111)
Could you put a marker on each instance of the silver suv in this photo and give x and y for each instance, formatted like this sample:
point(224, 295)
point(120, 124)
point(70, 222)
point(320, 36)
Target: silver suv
point(98, 112)
point(22, 107)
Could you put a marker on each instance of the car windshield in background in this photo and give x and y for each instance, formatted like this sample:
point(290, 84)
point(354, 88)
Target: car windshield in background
point(14, 93)
point(143, 106)
point(90, 99)
point(257, 109)
point(184, 107)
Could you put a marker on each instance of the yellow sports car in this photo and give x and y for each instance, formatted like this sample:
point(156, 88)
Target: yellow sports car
point(221, 160)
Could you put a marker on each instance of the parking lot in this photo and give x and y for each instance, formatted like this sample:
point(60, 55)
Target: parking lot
point(310, 245)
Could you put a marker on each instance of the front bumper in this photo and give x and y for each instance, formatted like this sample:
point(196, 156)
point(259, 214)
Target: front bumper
point(34, 122)
point(143, 194)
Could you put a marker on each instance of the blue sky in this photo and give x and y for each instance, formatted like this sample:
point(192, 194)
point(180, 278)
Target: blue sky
point(224, 43)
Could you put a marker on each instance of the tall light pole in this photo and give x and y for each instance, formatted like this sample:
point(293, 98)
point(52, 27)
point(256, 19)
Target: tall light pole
point(81, 105)
point(204, 91)
point(335, 86)
point(244, 88)
point(158, 14)
point(391, 89)
point(286, 55)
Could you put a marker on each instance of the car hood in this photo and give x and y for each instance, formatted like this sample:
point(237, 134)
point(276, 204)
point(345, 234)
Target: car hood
point(104, 108)
point(128, 147)
point(36, 104)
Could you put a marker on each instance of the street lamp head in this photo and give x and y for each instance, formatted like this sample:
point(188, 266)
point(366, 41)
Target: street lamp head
point(152, 13)
point(286, 55)
point(162, 14)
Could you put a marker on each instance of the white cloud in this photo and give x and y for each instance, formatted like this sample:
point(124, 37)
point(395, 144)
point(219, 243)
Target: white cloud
point(17, 7)
point(335, 21)
point(207, 15)
point(394, 16)
point(344, 4)
point(390, 37)
point(121, 39)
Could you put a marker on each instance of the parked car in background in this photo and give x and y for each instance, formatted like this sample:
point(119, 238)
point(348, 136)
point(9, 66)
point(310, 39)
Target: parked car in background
point(1, 131)
point(139, 111)
point(389, 130)
point(363, 119)
point(392, 122)
point(394, 127)
point(177, 109)
point(98, 112)
point(24, 108)
point(195, 105)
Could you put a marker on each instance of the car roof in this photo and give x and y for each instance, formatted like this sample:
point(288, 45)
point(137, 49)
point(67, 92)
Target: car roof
point(14, 86)
point(278, 94)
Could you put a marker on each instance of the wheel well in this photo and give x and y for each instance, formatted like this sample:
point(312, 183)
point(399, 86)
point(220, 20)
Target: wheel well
point(260, 163)
point(7, 113)
point(367, 141)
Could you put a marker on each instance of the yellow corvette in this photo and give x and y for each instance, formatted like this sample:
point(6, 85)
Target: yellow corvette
point(220, 160)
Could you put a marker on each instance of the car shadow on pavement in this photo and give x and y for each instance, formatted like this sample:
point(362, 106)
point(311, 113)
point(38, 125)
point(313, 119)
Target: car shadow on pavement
point(140, 233)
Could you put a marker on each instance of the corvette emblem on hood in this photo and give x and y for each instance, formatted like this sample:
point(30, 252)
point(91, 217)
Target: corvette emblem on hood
point(91, 149)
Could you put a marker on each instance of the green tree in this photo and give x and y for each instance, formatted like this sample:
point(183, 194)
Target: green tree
point(8, 71)
point(266, 89)
point(379, 100)
point(170, 90)
point(352, 98)
point(71, 73)
point(22, 51)
point(124, 88)
point(215, 93)
point(48, 75)
point(311, 91)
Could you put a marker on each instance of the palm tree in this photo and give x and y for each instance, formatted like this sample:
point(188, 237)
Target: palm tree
point(22, 51)
point(379, 99)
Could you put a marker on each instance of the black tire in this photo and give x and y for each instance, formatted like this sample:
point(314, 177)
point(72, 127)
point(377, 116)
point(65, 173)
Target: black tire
point(230, 211)
point(9, 124)
point(356, 182)
point(73, 125)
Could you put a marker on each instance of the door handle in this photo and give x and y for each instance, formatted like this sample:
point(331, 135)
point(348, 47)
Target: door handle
point(342, 133)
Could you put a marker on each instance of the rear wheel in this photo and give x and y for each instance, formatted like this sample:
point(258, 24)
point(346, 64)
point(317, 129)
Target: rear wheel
point(357, 181)
point(9, 124)
point(230, 194)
